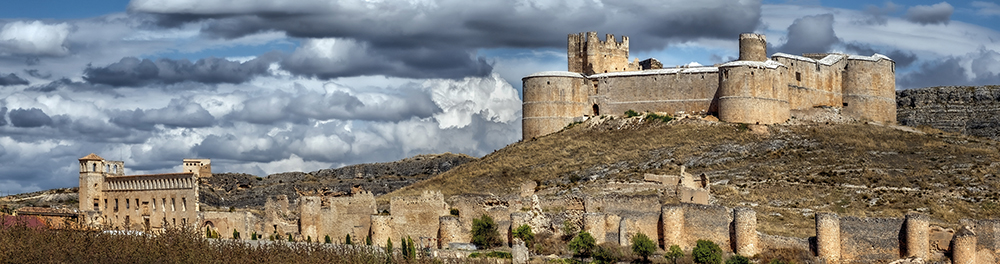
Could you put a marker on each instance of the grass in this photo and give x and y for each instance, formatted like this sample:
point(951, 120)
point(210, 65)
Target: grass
point(786, 175)
point(25, 245)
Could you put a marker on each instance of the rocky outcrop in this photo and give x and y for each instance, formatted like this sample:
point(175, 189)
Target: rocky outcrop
point(224, 190)
point(970, 110)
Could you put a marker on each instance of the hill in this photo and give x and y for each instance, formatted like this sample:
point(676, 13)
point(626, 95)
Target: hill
point(786, 172)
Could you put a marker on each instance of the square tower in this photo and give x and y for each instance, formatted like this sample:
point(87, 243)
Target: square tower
point(587, 54)
point(202, 168)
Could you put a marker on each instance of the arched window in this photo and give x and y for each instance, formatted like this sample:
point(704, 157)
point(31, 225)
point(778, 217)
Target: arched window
point(93, 167)
point(597, 110)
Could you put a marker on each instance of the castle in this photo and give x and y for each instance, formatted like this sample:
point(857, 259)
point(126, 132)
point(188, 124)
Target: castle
point(753, 89)
point(110, 198)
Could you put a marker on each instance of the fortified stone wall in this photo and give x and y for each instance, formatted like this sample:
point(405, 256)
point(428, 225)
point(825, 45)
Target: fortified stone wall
point(417, 217)
point(870, 88)
point(688, 90)
point(551, 101)
point(752, 92)
point(813, 82)
point(225, 222)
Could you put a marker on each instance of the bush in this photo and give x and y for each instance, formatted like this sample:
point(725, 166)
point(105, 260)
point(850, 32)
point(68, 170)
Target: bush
point(327, 239)
point(583, 245)
point(607, 253)
point(664, 118)
point(411, 249)
point(569, 230)
point(674, 253)
point(309, 239)
point(253, 236)
point(347, 240)
point(290, 238)
point(368, 240)
point(631, 113)
point(707, 252)
point(737, 259)
point(453, 211)
point(643, 246)
point(236, 234)
point(484, 232)
point(524, 233)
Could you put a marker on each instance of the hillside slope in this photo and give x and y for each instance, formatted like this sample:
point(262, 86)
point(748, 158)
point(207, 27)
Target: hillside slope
point(785, 172)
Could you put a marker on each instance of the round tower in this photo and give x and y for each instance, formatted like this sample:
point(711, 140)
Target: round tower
point(551, 101)
point(753, 47)
point(752, 92)
point(870, 88)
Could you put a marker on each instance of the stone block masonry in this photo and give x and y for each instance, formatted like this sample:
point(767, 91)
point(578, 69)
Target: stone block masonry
point(754, 89)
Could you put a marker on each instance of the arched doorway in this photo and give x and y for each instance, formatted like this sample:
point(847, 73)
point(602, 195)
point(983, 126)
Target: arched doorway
point(597, 110)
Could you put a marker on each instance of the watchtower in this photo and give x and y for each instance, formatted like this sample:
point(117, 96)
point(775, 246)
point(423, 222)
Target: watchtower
point(753, 47)
point(589, 55)
point(202, 168)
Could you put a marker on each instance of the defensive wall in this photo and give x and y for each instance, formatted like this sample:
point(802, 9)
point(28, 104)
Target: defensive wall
point(753, 89)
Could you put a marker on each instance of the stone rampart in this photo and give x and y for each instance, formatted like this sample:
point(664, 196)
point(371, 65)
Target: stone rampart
point(870, 88)
point(551, 101)
point(812, 82)
point(752, 92)
point(672, 91)
point(870, 238)
point(417, 217)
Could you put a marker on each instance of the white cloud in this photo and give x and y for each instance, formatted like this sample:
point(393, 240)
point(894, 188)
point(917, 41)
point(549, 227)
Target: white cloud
point(986, 8)
point(491, 97)
point(34, 38)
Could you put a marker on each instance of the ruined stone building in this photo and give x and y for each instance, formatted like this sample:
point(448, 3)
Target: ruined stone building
point(753, 89)
point(112, 199)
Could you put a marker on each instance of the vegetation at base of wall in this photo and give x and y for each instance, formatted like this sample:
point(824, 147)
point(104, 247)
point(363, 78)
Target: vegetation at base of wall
point(569, 229)
point(547, 243)
point(583, 245)
point(347, 240)
point(491, 254)
point(631, 113)
point(484, 232)
point(25, 245)
point(524, 233)
point(643, 246)
point(309, 239)
point(368, 240)
point(327, 240)
point(453, 211)
point(236, 234)
point(737, 259)
point(607, 254)
point(707, 252)
point(290, 238)
point(654, 116)
point(674, 253)
point(253, 236)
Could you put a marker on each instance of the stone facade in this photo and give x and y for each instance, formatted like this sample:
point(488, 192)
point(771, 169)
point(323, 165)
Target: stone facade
point(111, 199)
point(754, 89)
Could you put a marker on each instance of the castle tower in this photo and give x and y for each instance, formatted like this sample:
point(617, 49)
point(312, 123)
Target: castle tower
point(753, 47)
point(870, 88)
point(92, 169)
point(589, 55)
point(551, 101)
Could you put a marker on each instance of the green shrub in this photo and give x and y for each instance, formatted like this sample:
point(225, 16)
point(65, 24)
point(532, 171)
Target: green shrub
point(290, 238)
point(707, 252)
point(411, 249)
point(631, 113)
point(674, 253)
point(236, 234)
point(347, 240)
point(453, 211)
point(368, 240)
point(484, 232)
point(737, 259)
point(499, 254)
point(664, 118)
point(583, 245)
point(643, 246)
point(607, 253)
point(309, 239)
point(327, 240)
point(404, 248)
point(524, 233)
point(208, 232)
point(253, 236)
point(569, 230)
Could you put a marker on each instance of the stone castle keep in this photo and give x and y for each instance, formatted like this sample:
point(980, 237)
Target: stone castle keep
point(753, 89)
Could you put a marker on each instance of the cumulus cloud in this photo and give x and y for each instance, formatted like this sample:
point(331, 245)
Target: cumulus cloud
point(939, 13)
point(11, 79)
point(875, 15)
point(179, 113)
point(34, 39)
point(32, 117)
point(978, 68)
point(810, 34)
point(131, 71)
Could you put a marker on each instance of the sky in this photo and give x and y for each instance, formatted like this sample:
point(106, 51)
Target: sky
point(268, 86)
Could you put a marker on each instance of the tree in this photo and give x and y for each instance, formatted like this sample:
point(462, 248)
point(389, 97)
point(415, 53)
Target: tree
point(253, 236)
point(208, 232)
point(327, 239)
point(484, 232)
point(236, 234)
point(707, 252)
point(404, 248)
point(607, 253)
point(737, 259)
point(368, 240)
point(582, 245)
point(309, 239)
point(347, 240)
point(524, 233)
point(290, 238)
point(411, 249)
point(643, 246)
point(674, 253)
point(388, 250)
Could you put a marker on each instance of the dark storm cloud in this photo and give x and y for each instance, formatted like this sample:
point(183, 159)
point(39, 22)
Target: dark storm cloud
point(37, 74)
point(332, 58)
point(3, 117)
point(902, 58)
point(949, 71)
point(939, 13)
point(131, 71)
point(176, 114)
point(439, 39)
point(11, 79)
point(810, 34)
point(33, 117)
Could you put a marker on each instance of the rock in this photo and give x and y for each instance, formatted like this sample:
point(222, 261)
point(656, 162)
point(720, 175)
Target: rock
point(462, 246)
point(519, 252)
point(970, 110)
